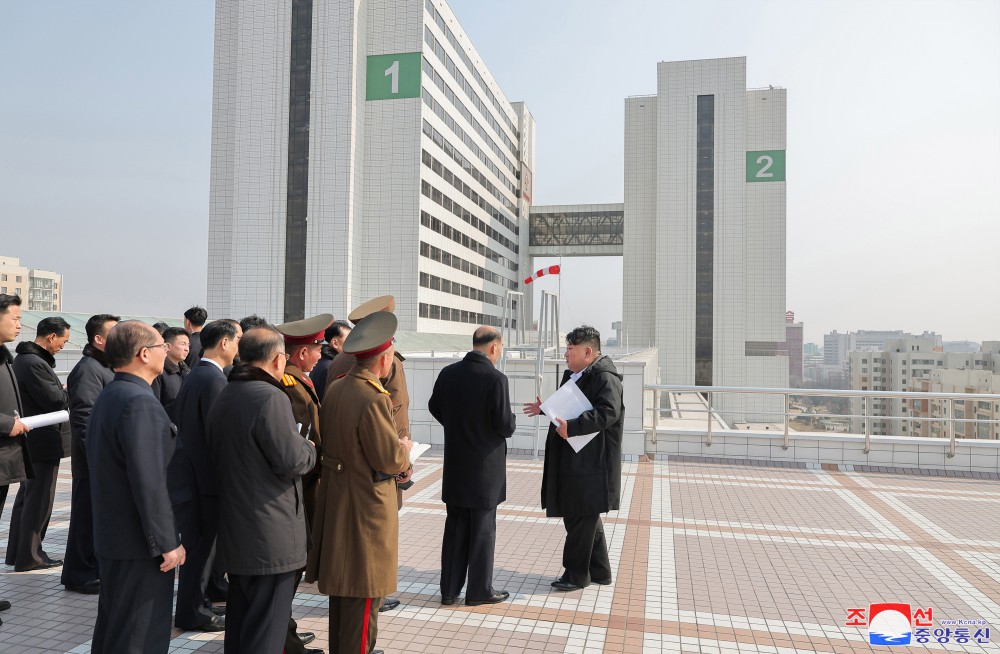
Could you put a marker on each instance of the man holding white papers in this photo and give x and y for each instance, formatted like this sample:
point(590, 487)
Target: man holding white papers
point(472, 402)
point(578, 486)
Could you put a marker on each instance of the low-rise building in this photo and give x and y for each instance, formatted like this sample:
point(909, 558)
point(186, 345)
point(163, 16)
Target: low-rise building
point(40, 289)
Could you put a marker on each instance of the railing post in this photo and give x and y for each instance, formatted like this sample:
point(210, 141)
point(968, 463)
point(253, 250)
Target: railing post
point(708, 439)
point(865, 413)
point(784, 445)
point(656, 412)
point(951, 441)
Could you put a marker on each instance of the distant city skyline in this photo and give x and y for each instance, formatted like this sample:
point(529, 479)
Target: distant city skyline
point(893, 146)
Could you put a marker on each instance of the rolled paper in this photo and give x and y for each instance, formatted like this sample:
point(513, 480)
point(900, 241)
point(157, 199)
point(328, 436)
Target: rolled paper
point(46, 419)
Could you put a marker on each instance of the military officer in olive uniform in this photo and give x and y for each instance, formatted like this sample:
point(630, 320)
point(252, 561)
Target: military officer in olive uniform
point(355, 549)
point(303, 345)
point(395, 383)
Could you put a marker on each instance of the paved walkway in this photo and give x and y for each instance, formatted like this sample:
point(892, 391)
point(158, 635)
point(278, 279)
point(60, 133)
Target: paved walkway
point(709, 557)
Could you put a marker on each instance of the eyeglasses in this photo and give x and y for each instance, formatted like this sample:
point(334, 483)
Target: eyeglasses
point(164, 345)
point(287, 355)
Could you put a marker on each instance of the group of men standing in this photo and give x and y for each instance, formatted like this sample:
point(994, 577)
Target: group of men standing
point(246, 454)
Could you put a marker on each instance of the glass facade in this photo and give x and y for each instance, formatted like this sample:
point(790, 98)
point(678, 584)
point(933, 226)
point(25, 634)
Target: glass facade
point(577, 228)
point(298, 160)
point(704, 240)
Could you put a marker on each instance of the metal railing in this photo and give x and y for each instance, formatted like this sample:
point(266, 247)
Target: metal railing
point(866, 415)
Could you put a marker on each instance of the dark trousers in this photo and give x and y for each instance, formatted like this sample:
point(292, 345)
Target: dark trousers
point(30, 517)
point(294, 644)
point(585, 555)
point(197, 521)
point(80, 563)
point(257, 612)
point(353, 624)
point(133, 610)
point(469, 540)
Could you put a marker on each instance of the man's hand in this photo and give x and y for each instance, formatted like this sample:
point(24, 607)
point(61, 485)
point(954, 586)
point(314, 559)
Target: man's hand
point(404, 476)
point(406, 443)
point(562, 428)
point(533, 408)
point(19, 428)
point(173, 559)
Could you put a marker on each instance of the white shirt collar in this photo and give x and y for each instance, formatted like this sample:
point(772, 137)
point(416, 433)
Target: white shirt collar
point(214, 363)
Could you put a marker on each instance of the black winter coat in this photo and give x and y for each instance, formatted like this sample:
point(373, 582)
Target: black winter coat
point(587, 482)
point(167, 386)
point(130, 441)
point(15, 463)
point(42, 392)
point(86, 381)
point(472, 402)
point(259, 458)
point(191, 473)
point(194, 354)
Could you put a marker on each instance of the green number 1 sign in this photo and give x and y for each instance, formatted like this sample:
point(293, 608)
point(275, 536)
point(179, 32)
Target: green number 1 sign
point(394, 76)
point(766, 166)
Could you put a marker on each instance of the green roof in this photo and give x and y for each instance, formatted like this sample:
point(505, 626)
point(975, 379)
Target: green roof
point(77, 323)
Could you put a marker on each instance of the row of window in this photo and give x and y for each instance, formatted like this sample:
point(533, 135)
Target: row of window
point(439, 20)
point(476, 199)
point(17, 291)
point(458, 104)
point(458, 263)
point(435, 312)
point(451, 205)
point(436, 283)
point(446, 230)
point(468, 167)
point(18, 278)
point(463, 84)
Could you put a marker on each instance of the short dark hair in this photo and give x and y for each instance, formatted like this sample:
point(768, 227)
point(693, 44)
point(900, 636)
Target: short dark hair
point(96, 325)
point(196, 316)
point(485, 335)
point(336, 330)
point(7, 301)
point(171, 334)
point(54, 325)
point(126, 339)
point(160, 327)
point(585, 335)
point(260, 344)
point(217, 330)
point(253, 320)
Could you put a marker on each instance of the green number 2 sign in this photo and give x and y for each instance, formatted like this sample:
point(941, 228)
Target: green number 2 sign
point(766, 166)
point(394, 76)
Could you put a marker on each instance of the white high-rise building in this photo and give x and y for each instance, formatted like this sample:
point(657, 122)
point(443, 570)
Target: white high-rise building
point(360, 148)
point(704, 236)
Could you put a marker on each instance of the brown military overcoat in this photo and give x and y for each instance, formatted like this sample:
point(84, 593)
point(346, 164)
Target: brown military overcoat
point(356, 533)
point(305, 408)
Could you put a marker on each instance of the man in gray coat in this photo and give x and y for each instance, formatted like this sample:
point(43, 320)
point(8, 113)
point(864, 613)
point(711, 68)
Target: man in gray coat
point(15, 464)
point(259, 459)
point(41, 393)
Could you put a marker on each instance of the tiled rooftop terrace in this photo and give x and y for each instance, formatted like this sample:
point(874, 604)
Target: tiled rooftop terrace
point(709, 557)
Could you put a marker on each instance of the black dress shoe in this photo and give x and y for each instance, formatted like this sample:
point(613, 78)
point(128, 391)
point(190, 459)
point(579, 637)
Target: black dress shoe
point(495, 598)
point(217, 623)
point(602, 582)
point(306, 637)
point(388, 605)
point(448, 601)
point(92, 587)
point(565, 586)
point(4, 605)
point(49, 559)
point(44, 565)
point(218, 610)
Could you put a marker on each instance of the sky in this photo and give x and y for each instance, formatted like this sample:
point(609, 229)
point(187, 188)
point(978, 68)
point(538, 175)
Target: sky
point(893, 143)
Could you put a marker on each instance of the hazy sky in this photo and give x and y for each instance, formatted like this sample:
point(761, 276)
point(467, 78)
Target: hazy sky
point(893, 143)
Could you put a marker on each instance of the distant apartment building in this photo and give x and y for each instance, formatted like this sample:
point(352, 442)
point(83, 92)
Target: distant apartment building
point(837, 347)
point(793, 343)
point(909, 364)
point(971, 418)
point(40, 290)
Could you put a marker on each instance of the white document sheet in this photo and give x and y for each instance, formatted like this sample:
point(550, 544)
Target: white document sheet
point(569, 402)
point(418, 449)
point(46, 419)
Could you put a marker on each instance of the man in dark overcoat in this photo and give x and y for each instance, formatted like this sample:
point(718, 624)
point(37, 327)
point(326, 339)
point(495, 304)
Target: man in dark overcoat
point(354, 556)
point(41, 392)
point(15, 462)
point(259, 459)
point(334, 336)
point(471, 400)
point(130, 442)
point(194, 322)
point(191, 477)
point(579, 486)
point(86, 381)
point(168, 385)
